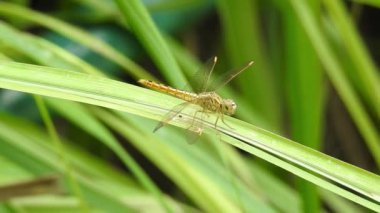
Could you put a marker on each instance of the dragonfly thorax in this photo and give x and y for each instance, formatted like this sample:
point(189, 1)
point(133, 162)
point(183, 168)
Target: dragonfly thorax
point(212, 102)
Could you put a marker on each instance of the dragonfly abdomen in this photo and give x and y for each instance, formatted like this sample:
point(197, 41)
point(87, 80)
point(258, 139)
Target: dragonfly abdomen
point(184, 95)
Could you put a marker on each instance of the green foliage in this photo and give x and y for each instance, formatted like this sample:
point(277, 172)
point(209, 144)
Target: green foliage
point(93, 122)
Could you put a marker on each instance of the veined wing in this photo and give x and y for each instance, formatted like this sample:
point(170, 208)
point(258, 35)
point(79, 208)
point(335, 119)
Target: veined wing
point(171, 114)
point(226, 78)
point(201, 78)
point(196, 129)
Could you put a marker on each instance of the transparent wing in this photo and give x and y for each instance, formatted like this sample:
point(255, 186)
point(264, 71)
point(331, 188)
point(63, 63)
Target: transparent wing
point(193, 136)
point(171, 114)
point(226, 78)
point(201, 78)
point(196, 129)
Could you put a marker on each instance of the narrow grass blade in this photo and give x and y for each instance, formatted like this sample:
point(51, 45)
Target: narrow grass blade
point(339, 80)
point(81, 117)
point(374, 3)
point(39, 156)
point(244, 43)
point(42, 51)
point(289, 155)
point(366, 72)
point(145, 30)
point(76, 34)
point(304, 84)
point(57, 143)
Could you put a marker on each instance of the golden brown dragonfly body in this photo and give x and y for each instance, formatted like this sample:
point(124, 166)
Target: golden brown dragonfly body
point(209, 101)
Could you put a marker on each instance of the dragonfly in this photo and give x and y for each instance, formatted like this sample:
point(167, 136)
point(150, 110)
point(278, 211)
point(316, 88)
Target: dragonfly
point(204, 95)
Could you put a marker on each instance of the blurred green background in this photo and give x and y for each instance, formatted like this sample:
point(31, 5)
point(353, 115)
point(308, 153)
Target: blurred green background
point(315, 80)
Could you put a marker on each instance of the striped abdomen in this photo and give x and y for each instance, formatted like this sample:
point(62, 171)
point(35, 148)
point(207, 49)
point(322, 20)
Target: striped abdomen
point(184, 95)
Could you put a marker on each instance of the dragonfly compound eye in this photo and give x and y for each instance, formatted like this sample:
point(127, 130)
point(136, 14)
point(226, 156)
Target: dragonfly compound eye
point(229, 107)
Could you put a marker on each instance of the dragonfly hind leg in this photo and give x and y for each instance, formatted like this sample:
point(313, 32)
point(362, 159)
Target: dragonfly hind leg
point(192, 126)
point(216, 122)
point(195, 130)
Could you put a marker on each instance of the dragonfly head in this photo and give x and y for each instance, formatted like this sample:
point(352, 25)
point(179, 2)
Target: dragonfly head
point(229, 106)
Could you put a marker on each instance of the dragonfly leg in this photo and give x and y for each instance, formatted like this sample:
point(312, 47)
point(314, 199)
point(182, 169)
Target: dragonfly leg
point(199, 131)
point(225, 122)
point(216, 121)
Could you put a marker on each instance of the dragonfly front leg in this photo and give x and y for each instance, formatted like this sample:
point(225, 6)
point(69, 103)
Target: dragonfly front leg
point(225, 122)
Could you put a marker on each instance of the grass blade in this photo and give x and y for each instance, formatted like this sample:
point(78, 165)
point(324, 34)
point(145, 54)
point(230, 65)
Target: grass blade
point(244, 43)
point(366, 71)
point(338, 79)
point(76, 34)
point(112, 94)
point(305, 96)
point(138, 18)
